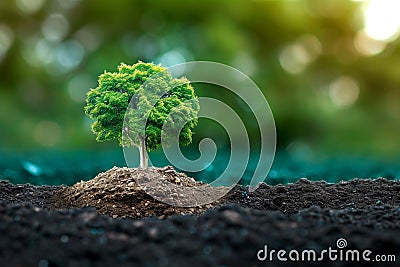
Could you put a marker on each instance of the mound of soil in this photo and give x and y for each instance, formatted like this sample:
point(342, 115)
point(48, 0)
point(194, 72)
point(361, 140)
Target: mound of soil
point(110, 221)
point(116, 193)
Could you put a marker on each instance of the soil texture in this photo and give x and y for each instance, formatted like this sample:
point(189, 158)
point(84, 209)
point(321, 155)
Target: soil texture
point(110, 221)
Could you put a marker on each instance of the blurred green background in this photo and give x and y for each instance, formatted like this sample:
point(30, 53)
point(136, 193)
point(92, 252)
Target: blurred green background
point(330, 70)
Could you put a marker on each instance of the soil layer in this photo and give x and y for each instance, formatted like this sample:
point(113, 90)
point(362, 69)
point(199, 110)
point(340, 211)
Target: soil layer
point(123, 226)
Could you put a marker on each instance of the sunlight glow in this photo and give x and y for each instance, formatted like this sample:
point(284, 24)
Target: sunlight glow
point(367, 45)
point(381, 19)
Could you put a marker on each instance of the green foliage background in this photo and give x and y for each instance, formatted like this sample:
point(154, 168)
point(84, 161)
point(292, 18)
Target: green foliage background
point(57, 51)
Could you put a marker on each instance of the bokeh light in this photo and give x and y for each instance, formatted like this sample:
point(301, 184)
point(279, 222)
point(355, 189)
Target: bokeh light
point(382, 20)
point(295, 57)
point(344, 91)
point(6, 39)
point(29, 6)
point(368, 46)
point(55, 27)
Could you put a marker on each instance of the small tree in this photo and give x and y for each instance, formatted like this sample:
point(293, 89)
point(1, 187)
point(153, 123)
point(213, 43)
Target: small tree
point(121, 101)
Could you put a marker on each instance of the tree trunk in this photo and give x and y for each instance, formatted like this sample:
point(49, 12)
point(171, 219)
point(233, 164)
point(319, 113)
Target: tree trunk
point(144, 158)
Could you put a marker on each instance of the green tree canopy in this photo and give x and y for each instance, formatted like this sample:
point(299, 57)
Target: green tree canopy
point(151, 94)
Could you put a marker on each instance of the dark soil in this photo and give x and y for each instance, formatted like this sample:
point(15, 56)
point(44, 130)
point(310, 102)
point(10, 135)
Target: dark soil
point(37, 230)
point(291, 198)
point(39, 196)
